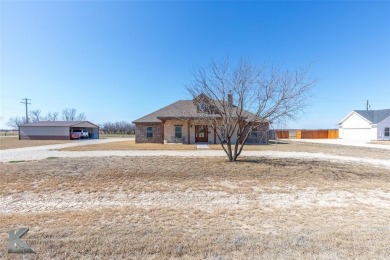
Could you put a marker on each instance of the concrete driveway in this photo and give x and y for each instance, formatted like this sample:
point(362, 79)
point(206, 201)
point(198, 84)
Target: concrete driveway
point(343, 142)
point(44, 151)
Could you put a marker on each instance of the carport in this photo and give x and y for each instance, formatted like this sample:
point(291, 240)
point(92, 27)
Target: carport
point(55, 130)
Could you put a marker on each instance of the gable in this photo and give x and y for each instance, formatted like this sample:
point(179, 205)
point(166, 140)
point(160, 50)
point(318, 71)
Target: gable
point(354, 120)
point(85, 124)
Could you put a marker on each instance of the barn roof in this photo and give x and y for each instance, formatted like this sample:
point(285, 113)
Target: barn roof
point(374, 116)
point(62, 123)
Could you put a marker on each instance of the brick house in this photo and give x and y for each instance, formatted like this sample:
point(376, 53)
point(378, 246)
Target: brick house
point(183, 122)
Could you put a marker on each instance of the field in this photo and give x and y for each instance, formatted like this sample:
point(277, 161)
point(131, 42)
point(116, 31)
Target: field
point(115, 135)
point(14, 142)
point(196, 208)
point(8, 133)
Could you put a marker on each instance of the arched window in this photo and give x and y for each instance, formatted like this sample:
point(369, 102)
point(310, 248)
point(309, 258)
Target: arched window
point(387, 131)
point(202, 106)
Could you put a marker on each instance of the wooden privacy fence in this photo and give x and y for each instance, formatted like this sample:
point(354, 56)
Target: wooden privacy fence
point(282, 134)
point(308, 134)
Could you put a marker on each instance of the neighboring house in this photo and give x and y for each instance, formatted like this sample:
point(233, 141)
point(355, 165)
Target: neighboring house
point(182, 122)
point(366, 125)
point(55, 130)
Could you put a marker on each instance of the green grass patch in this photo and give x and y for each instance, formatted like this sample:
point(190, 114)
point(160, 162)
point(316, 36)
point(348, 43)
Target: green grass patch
point(17, 161)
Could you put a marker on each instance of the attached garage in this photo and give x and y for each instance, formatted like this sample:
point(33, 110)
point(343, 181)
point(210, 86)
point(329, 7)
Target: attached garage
point(363, 134)
point(55, 130)
point(365, 125)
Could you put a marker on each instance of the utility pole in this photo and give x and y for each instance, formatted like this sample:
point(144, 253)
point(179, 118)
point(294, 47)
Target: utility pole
point(25, 101)
point(368, 105)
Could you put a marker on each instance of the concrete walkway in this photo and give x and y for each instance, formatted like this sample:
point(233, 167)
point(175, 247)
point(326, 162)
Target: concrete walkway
point(202, 146)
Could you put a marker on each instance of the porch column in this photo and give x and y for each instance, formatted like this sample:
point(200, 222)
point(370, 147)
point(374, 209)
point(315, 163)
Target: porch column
point(215, 132)
point(188, 132)
point(162, 131)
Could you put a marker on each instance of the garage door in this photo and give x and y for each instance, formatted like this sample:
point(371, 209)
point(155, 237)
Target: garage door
point(357, 134)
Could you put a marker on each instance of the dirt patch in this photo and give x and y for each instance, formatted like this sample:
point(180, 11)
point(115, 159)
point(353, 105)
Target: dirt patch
point(192, 208)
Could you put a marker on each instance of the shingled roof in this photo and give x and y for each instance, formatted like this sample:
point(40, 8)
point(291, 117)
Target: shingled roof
point(57, 123)
point(374, 116)
point(180, 109)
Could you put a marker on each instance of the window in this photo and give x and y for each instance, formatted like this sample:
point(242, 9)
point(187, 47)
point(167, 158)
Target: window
point(387, 131)
point(149, 132)
point(202, 106)
point(178, 131)
point(254, 133)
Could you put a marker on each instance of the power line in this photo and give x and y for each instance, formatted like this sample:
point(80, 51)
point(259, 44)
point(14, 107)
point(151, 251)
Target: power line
point(25, 101)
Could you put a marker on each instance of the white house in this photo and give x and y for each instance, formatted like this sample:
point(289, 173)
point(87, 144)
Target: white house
point(366, 125)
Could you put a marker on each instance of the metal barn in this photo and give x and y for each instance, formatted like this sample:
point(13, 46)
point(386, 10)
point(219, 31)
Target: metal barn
point(55, 130)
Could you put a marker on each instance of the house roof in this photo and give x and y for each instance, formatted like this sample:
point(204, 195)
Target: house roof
point(374, 116)
point(62, 123)
point(180, 109)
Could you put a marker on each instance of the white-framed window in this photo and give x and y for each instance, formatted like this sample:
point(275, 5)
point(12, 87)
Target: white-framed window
point(149, 132)
point(178, 131)
point(387, 131)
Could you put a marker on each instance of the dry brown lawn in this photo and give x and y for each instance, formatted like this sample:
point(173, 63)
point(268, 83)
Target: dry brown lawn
point(14, 142)
point(331, 149)
point(9, 133)
point(130, 145)
point(196, 208)
point(287, 147)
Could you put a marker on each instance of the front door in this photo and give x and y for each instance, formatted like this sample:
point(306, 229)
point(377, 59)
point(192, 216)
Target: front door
point(201, 134)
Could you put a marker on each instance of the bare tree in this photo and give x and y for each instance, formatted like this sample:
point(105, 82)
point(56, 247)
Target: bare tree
point(15, 122)
point(52, 116)
point(122, 127)
point(80, 117)
point(35, 115)
point(70, 114)
point(236, 101)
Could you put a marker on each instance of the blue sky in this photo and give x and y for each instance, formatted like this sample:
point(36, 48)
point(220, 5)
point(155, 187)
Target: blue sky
point(119, 60)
